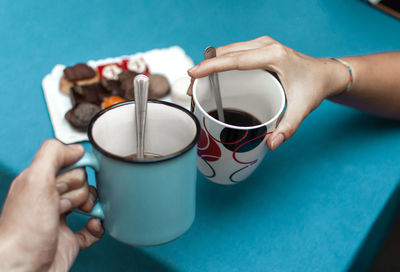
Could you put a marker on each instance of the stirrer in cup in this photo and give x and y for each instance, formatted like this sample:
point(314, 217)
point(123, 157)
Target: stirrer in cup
point(210, 52)
point(141, 89)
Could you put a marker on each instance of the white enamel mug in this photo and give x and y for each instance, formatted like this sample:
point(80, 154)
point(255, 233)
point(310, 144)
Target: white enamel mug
point(150, 201)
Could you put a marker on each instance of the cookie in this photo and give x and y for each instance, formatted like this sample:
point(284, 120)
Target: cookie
point(158, 87)
point(79, 117)
point(79, 71)
point(65, 85)
point(79, 74)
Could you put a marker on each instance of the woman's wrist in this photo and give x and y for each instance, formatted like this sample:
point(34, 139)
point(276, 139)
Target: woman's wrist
point(337, 77)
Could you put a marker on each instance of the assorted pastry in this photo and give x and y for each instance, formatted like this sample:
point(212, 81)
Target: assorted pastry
point(92, 89)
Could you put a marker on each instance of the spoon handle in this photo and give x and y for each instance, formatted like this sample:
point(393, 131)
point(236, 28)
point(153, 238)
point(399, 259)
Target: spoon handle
point(141, 89)
point(210, 52)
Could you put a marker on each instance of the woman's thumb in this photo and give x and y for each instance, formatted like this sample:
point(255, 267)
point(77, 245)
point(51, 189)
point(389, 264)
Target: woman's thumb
point(292, 118)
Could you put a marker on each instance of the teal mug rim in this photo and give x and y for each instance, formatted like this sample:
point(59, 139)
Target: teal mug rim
point(144, 161)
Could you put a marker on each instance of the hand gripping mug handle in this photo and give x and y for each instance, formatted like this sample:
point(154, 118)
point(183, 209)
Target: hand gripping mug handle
point(90, 160)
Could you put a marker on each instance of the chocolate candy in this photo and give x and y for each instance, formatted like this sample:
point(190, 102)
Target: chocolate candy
point(108, 84)
point(111, 85)
point(126, 79)
point(78, 72)
point(159, 86)
point(80, 115)
point(91, 93)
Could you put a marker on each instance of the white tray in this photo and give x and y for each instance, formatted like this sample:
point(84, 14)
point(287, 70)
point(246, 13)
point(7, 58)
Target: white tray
point(172, 62)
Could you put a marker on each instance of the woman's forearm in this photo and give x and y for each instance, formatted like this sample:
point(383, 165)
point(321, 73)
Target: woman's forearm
point(376, 87)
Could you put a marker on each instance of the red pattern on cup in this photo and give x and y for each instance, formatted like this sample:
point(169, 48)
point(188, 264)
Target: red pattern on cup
point(207, 148)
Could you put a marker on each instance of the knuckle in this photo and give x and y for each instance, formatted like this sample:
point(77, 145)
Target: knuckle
point(204, 64)
point(83, 194)
point(51, 143)
point(80, 176)
point(265, 50)
point(264, 39)
point(31, 178)
point(78, 197)
point(75, 178)
point(290, 130)
point(56, 148)
point(235, 59)
point(279, 50)
point(21, 178)
point(23, 174)
point(83, 240)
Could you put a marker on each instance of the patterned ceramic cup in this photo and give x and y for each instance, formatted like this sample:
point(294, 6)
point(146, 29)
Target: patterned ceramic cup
point(228, 154)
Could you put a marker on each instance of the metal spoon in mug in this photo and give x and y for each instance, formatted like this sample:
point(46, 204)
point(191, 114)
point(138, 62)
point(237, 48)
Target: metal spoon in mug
point(210, 52)
point(141, 89)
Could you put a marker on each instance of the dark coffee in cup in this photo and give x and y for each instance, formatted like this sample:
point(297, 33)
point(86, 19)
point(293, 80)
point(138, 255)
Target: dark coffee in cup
point(237, 118)
point(241, 140)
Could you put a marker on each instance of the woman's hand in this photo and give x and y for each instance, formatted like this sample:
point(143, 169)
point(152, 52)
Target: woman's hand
point(307, 81)
point(34, 235)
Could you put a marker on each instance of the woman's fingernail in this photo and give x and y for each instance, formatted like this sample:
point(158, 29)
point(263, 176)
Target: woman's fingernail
point(61, 188)
point(277, 141)
point(65, 205)
point(194, 68)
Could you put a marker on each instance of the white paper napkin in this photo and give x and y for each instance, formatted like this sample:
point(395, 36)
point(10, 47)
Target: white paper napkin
point(172, 62)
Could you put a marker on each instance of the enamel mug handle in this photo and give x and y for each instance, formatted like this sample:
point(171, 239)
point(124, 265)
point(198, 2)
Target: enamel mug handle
point(90, 160)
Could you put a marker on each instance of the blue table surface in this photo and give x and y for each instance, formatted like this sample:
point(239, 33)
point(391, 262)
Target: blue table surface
point(322, 202)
